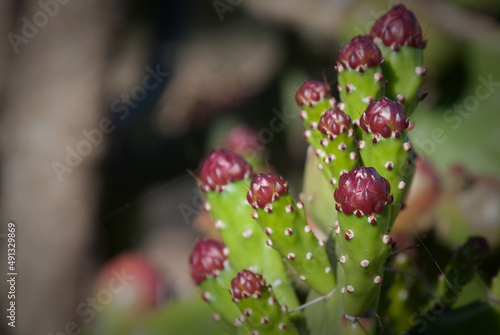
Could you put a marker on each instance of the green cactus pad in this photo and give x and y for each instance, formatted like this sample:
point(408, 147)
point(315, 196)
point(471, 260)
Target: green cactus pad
point(339, 155)
point(233, 218)
point(362, 200)
point(365, 248)
point(215, 293)
point(313, 107)
point(404, 71)
point(284, 222)
point(390, 158)
point(261, 312)
point(358, 89)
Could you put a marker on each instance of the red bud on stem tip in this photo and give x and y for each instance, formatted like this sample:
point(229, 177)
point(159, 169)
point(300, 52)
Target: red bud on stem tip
point(362, 191)
point(266, 188)
point(206, 260)
point(384, 117)
point(222, 167)
point(334, 122)
point(311, 92)
point(359, 53)
point(245, 284)
point(398, 27)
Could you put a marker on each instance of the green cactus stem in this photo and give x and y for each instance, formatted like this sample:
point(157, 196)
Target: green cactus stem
point(225, 178)
point(339, 151)
point(211, 271)
point(314, 97)
point(285, 224)
point(362, 233)
point(360, 77)
point(385, 146)
point(399, 36)
point(261, 311)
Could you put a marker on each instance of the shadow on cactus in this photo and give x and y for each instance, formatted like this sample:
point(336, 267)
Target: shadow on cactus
point(361, 146)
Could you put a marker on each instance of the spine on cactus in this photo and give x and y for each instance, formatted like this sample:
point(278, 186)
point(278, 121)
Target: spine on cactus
point(360, 77)
point(399, 36)
point(262, 313)
point(362, 200)
point(211, 271)
point(225, 177)
point(285, 224)
point(385, 147)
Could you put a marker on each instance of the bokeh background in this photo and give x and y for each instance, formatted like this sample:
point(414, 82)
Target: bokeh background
point(106, 107)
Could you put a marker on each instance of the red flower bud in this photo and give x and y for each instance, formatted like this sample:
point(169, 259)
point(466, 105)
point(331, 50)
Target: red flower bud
point(245, 284)
point(265, 188)
point(311, 92)
point(398, 27)
point(206, 260)
point(334, 122)
point(360, 53)
point(384, 117)
point(222, 167)
point(362, 191)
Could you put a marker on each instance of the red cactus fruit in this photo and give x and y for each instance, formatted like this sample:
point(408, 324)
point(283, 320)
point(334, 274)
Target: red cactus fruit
point(132, 282)
point(362, 191)
point(243, 140)
point(311, 92)
point(334, 122)
point(222, 167)
point(265, 188)
point(360, 53)
point(398, 27)
point(245, 284)
point(384, 117)
point(207, 260)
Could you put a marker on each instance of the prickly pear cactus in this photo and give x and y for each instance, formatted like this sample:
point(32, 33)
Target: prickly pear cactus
point(360, 75)
point(385, 146)
point(338, 142)
point(225, 177)
point(261, 312)
point(284, 222)
point(399, 37)
point(362, 199)
point(314, 97)
point(361, 145)
point(211, 271)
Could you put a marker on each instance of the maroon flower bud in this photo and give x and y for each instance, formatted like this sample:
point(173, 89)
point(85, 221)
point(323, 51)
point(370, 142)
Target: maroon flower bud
point(265, 188)
point(398, 27)
point(243, 140)
point(222, 167)
point(311, 92)
point(245, 284)
point(360, 53)
point(362, 191)
point(384, 117)
point(334, 122)
point(207, 260)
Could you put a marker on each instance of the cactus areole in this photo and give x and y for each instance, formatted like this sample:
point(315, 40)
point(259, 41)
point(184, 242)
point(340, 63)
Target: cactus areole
point(384, 117)
point(222, 167)
point(398, 27)
point(362, 191)
point(311, 92)
point(206, 260)
point(246, 284)
point(266, 188)
point(359, 54)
